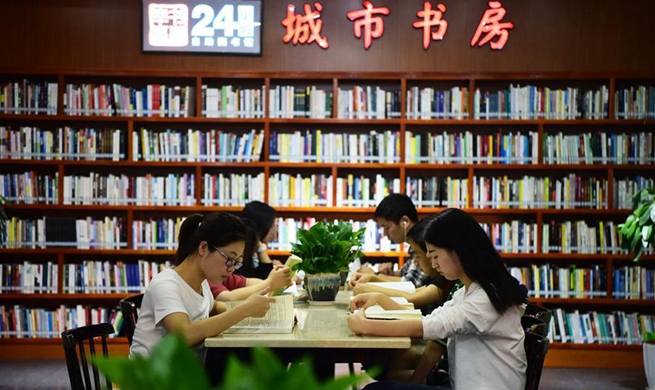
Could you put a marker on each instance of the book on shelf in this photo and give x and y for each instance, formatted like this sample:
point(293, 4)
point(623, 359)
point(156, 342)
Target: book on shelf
point(378, 313)
point(279, 318)
point(407, 287)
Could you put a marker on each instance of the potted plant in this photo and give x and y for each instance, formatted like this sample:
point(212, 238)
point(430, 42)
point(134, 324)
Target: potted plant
point(173, 366)
point(326, 249)
point(637, 236)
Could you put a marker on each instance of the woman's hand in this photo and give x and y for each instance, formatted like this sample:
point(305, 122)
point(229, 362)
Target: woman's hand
point(359, 277)
point(362, 288)
point(362, 301)
point(257, 305)
point(357, 323)
point(279, 277)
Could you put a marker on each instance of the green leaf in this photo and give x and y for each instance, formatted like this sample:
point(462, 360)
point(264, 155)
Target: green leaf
point(327, 247)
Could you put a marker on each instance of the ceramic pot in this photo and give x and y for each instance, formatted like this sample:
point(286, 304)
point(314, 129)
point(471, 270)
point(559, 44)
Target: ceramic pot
point(322, 288)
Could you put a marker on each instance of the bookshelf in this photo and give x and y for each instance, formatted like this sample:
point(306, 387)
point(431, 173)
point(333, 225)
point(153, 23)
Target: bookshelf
point(493, 144)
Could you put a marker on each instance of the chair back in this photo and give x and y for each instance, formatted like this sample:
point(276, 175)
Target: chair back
point(82, 340)
point(535, 325)
point(536, 347)
point(539, 312)
point(129, 307)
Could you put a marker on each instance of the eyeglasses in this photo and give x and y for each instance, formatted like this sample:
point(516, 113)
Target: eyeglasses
point(231, 261)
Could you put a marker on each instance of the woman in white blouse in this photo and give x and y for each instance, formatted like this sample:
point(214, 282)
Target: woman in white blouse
point(483, 320)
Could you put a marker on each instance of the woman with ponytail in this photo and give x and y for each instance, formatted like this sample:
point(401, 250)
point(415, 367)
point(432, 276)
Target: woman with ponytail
point(180, 300)
point(482, 321)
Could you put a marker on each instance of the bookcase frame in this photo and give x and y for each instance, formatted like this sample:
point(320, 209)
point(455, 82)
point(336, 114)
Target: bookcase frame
point(568, 355)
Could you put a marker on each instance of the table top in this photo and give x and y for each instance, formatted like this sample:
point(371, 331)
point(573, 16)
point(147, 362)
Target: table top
point(317, 327)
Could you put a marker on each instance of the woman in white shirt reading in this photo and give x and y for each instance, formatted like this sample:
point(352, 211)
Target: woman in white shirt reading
point(482, 321)
point(179, 299)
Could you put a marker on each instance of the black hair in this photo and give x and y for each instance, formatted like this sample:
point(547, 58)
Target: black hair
point(455, 230)
point(395, 206)
point(252, 238)
point(417, 232)
point(261, 214)
point(217, 229)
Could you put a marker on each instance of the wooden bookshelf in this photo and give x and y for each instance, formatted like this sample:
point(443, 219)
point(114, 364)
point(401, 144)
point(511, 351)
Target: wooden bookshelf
point(560, 354)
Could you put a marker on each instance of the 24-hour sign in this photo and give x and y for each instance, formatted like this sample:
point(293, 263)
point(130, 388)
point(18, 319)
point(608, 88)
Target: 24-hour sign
point(204, 26)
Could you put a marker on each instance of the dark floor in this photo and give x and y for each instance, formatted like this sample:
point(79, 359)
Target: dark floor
point(48, 374)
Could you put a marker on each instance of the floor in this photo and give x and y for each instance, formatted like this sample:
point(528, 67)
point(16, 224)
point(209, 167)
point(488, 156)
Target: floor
point(52, 375)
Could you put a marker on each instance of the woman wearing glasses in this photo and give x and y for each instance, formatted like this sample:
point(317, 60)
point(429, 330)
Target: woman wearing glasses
point(179, 299)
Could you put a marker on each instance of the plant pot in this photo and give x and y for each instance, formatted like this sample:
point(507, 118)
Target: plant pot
point(649, 364)
point(322, 288)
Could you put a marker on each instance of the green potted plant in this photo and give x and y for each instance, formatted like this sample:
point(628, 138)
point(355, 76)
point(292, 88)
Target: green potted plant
point(326, 249)
point(173, 366)
point(637, 236)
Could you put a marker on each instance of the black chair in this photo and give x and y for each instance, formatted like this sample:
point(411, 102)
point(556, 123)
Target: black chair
point(129, 307)
point(539, 312)
point(536, 347)
point(78, 365)
point(535, 325)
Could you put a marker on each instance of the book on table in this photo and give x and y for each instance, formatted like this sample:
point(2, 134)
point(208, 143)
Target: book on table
point(378, 313)
point(407, 287)
point(279, 318)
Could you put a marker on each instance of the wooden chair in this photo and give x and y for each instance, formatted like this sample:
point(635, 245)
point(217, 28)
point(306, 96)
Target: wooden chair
point(74, 341)
point(536, 347)
point(129, 307)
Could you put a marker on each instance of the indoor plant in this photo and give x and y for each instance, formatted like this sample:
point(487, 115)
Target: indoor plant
point(637, 236)
point(326, 249)
point(637, 231)
point(172, 365)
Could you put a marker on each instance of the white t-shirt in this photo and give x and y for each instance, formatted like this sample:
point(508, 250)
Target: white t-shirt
point(485, 349)
point(168, 293)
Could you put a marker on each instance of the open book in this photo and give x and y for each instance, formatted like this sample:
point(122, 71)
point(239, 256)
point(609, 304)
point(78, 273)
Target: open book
point(407, 287)
point(279, 319)
point(378, 313)
point(403, 302)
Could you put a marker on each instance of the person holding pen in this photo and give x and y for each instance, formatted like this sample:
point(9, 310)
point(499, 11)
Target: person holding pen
point(482, 321)
point(180, 300)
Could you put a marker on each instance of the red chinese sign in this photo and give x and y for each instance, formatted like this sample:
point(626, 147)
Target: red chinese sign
point(431, 18)
point(491, 25)
point(364, 19)
point(304, 28)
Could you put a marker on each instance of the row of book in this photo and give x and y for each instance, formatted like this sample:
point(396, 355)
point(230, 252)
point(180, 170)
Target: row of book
point(196, 145)
point(362, 191)
point(300, 191)
point(599, 148)
point(30, 188)
point(148, 190)
point(532, 102)
point(626, 189)
point(29, 278)
point(556, 281)
point(17, 321)
point(637, 102)
point(437, 191)
point(47, 232)
point(288, 101)
point(633, 282)
point(106, 277)
point(228, 101)
point(152, 100)
point(62, 143)
point(233, 189)
point(581, 237)
point(429, 103)
point(368, 102)
point(593, 327)
point(29, 97)
point(512, 236)
point(316, 146)
point(467, 148)
point(532, 192)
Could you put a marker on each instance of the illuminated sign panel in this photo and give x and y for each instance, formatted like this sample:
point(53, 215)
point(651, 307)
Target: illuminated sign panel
point(203, 26)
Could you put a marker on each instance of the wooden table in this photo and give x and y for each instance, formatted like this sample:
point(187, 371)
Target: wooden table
point(321, 332)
